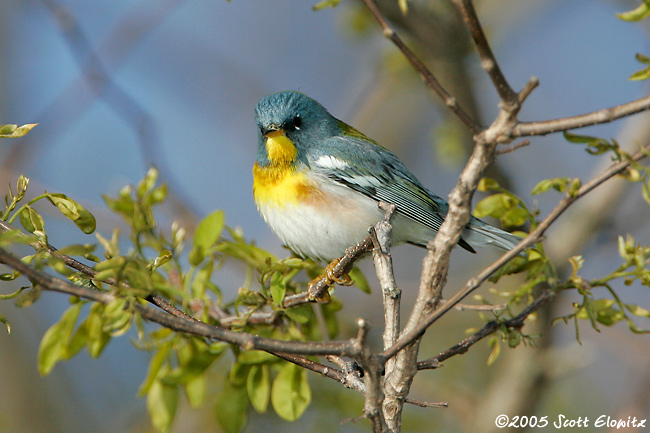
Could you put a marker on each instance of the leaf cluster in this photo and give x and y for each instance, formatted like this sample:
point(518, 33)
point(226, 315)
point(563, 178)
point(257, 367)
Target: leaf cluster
point(156, 265)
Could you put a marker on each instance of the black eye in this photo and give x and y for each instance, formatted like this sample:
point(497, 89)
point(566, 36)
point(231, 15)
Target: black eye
point(297, 121)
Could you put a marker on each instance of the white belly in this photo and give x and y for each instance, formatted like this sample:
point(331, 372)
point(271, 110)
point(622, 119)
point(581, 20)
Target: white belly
point(323, 231)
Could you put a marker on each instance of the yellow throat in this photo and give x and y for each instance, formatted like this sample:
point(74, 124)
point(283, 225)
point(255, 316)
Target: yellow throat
point(279, 183)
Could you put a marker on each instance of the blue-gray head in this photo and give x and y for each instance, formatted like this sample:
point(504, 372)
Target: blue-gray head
point(295, 116)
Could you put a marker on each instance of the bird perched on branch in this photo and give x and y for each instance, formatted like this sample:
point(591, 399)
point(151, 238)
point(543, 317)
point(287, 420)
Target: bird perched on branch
point(317, 183)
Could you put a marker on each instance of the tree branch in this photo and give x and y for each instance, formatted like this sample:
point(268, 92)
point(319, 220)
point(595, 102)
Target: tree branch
point(425, 74)
point(509, 98)
point(605, 115)
point(489, 328)
point(319, 287)
point(182, 324)
point(414, 333)
point(373, 369)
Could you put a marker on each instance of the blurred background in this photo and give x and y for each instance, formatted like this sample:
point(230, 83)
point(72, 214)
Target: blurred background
point(118, 86)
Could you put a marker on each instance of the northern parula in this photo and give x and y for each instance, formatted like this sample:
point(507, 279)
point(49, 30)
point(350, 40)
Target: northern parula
point(317, 182)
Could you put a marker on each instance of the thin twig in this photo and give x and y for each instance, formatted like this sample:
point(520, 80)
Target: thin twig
point(181, 324)
point(319, 287)
point(472, 307)
point(605, 115)
point(427, 76)
point(426, 403)
point(394, 391)
point(384, 269)
point(489, 328)
point(372, 408)
point(414, 333)
point(508, 96)
point(528, 88)
point(512, 148)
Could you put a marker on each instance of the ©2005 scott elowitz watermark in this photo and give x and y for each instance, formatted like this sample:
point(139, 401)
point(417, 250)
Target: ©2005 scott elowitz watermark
point(562, 422)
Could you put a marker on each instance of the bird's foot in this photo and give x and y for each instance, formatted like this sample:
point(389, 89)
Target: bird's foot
point(318, 287)
point(343, 280)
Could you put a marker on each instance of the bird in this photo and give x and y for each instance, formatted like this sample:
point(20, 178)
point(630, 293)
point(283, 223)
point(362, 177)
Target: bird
point(317, 182)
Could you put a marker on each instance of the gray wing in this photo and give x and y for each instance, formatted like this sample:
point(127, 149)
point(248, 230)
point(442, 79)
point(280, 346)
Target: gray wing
point(380, 175)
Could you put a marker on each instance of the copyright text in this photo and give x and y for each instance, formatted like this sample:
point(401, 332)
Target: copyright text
point(562, 421)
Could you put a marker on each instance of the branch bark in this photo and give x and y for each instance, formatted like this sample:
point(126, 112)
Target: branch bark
point(188, 324)
point(407, 338)
point(427, 77)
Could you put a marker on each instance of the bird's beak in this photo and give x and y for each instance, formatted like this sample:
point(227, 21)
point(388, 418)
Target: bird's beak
point(274, 133)
point(279, 148)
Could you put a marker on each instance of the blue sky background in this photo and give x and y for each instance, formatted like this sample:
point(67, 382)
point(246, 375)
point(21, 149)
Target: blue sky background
point(187, 75)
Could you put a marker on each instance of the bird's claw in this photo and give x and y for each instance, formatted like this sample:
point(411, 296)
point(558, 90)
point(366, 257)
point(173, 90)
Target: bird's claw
point(343, 280)
point(323, 296)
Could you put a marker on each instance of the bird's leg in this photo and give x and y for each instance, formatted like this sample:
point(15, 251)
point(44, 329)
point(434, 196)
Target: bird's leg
point(343, 280)
point(318, 287)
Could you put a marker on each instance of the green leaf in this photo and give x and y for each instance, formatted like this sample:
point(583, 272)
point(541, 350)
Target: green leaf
point(290, 394)
point(258, 387)
point(403, 6)
point(28, 297)
point(21, 186)
point(162, 401)
point(232, 408)
point(195, 391)
point(11, 295)
point(559, 184)
point(254, 357)
point(77, 342)
point(4, 321)
point(31, 220)
point(77, 250)
point(641, 74)
point(117, 317)
point(15, 131)
point(634, 328)
point(300, 313)
point(494, 205)
point(202, 281)
point(360, 280)
point(487, 184)
point(248, 254)
point(595, 145)
point(607, 312)
point(603, 311)
point(329, 314)
point(98, 338)
point(238, 374)
point(637, 14)
point(209, 229)
point(196, 256)
point(278, 288)
point(495, 343)
point(194, 358)
point(74, 211)
point(515, 217)
point(250, 297)
point(642, 59)
point(16, 236)
point(55, 340)
point(574, 187)
point(155, 365)
point(637, 311)
point(163, 257)
point(325, 4)
point(156, 195)
point(148, 182)
point(57, 264)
